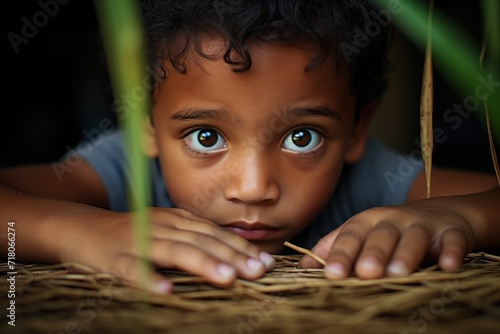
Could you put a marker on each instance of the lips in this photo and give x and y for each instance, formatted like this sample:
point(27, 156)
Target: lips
point(252, 231)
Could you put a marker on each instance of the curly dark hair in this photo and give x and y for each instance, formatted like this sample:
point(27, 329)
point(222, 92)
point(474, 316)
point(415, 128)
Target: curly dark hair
point(337, 26)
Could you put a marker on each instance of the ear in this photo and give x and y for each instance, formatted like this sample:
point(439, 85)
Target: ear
point(357, 143)
point(149, 146)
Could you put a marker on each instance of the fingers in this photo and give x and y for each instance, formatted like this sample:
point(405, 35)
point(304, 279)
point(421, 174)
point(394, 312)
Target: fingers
point(377, 250)
point(385, 250)
point(161, 285)
point(382, 250)
point(343, 253)
point(186, 221)
point(207, 256)
point(185, 241)
point(368, 252)
point(394, 240)
point(196, 261)
point(411, 250)
point(453, 249)
point(128, 268)
point(322, 249)
point(191, 258)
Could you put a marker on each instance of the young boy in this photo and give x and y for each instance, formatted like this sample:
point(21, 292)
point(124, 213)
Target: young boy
point(258, 135)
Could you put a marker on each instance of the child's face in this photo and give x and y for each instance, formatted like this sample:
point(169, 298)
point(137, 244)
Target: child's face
point(259, 152)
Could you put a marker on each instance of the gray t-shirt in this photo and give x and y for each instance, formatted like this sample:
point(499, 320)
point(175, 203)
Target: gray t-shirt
point(382, 177)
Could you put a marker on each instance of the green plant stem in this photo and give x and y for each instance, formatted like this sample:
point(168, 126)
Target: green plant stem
point(122, 33)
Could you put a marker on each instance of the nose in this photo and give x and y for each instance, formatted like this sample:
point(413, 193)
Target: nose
point(255, 182)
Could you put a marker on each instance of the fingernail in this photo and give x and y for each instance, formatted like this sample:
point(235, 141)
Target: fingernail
point(225, 271)
point(162, 287)
point(335, 269)
point(369, 263)
point(448, 262)
point(397, 268)
point(267, 259)
point(254, 265)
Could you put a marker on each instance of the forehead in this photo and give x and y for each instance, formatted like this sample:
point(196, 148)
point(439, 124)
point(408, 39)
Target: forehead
point(277, 78)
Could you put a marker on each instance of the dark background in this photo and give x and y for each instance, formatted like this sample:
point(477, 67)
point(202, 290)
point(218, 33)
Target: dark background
point(56, 88)
point(57, 84)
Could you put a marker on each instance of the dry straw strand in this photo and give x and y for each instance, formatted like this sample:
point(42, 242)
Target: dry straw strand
point(305, 251)
point(287, 299)
point(426, 103)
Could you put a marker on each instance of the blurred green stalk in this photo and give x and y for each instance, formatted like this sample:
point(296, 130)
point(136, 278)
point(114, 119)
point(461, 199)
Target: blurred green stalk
point(491, 27)
point(455, 55)
point(491, 49)
point(122, 34)
point(491, 22)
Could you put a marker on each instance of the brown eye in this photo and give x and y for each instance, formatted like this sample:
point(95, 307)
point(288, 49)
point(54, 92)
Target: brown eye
point(205, 140)
point(302, 140)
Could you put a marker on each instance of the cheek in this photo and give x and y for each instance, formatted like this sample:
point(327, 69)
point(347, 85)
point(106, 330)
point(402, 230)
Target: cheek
point(191, 184)
point(187, 187)
point(312, 192)
point(182, 179)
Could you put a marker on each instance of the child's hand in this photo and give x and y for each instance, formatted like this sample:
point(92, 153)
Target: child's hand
point(394, 240)
point(179, 240)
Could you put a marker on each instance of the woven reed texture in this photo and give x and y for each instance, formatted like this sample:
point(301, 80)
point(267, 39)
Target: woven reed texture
point(50, 299)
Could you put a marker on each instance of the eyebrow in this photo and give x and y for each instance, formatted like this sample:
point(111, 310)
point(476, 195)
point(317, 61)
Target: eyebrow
point(224, 115)
point(312, 111)
point(202, 114)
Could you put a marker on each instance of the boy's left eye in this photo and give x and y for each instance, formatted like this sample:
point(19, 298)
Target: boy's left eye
point(206, 140)
point(302, 140)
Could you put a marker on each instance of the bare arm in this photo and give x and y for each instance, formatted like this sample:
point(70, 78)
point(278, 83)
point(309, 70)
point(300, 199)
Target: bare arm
point(61, 230)
point(449, 182)
point(40, 232)
point(69, 180)
point(37, 197)
point(482, 211)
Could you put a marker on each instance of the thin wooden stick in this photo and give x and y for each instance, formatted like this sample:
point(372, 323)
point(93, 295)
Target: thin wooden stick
point(306, 252)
